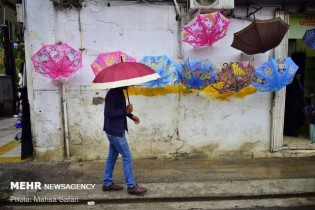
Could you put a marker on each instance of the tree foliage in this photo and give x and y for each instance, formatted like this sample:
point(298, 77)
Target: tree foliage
point(19, 54)
point(2, 67)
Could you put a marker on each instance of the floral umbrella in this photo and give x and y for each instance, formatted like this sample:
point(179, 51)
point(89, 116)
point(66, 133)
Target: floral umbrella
point(309, 38)
point(57, 61)
point(234, 77)
point(196, 73)
point(274, 74)
point(205, 29)
point(165, 67)
point(105, 60)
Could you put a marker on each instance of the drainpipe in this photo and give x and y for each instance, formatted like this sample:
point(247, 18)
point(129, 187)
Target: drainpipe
point(178, 17)
point(65, 117)
point(180, 25)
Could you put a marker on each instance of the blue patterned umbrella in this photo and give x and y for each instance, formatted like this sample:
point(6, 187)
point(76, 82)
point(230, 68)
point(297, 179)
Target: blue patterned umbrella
point(197, 73)
point(165, 67)
point(274, 74)
point(309, 38)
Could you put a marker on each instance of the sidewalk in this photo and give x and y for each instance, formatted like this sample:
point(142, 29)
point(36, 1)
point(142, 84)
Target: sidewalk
point(10, 149)
point(288, 174)
point(167, 180)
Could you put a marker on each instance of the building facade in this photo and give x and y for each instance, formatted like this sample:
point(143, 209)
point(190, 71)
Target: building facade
point(67, 116)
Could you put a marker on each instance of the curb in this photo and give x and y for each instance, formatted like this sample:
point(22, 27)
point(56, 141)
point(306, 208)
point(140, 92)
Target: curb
point(193, 191)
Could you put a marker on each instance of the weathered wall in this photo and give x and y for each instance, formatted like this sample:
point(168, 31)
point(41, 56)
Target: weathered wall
point(172, 124)
point(44, 95)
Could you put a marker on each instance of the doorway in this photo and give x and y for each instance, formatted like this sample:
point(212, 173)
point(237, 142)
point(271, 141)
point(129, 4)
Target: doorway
point(299, 93)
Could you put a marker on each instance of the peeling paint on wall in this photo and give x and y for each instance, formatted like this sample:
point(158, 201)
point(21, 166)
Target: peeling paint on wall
point(98, 100)
point(49, 154)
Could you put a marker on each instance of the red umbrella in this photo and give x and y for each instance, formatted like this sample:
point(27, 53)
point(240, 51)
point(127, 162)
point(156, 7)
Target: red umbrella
point(124, 74)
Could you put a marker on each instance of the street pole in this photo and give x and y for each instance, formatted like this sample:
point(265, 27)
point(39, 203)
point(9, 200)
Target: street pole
point(10, 65)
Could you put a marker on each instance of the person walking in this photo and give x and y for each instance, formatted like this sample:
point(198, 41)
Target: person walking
point(115, 125)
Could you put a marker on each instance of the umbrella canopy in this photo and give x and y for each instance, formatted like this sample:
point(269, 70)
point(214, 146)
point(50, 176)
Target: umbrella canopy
point(105, 60)
point(196, 73)
point(124, 74)
point(274, 74)
point(205, 29)
point(165, 67)
point(260, 36)
point(234, 77)
point(57, 61)
point(309, 38)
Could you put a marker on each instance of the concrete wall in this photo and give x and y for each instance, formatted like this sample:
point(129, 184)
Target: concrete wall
point(172, 124)
point(44, 95)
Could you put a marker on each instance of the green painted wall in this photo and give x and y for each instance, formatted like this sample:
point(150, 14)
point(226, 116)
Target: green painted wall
point(299, 24)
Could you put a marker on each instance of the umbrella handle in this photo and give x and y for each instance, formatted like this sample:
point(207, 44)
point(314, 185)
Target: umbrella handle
point(128, 96)
point(121, 59)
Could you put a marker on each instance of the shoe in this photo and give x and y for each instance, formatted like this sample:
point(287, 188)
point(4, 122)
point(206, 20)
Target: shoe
point(137, 190)
point(112, 187)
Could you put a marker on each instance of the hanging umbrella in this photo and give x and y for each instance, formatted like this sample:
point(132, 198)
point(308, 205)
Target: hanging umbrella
point(105, 60)
point(234, 77)
point(309, 38)
point(196, 73)
point(205, 29)
point(165, 67)
point(57, 61)
point(124, 74)
point(260, 36)
point(274, 74)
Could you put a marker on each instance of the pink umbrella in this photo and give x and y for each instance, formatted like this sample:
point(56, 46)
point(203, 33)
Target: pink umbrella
point(205, 29)
point(105, 60)
point(57, 61)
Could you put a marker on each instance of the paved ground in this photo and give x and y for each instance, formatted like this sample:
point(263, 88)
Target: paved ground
point(283, 180)
point(10, 149)
point(162, 171)
point(170, 182)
